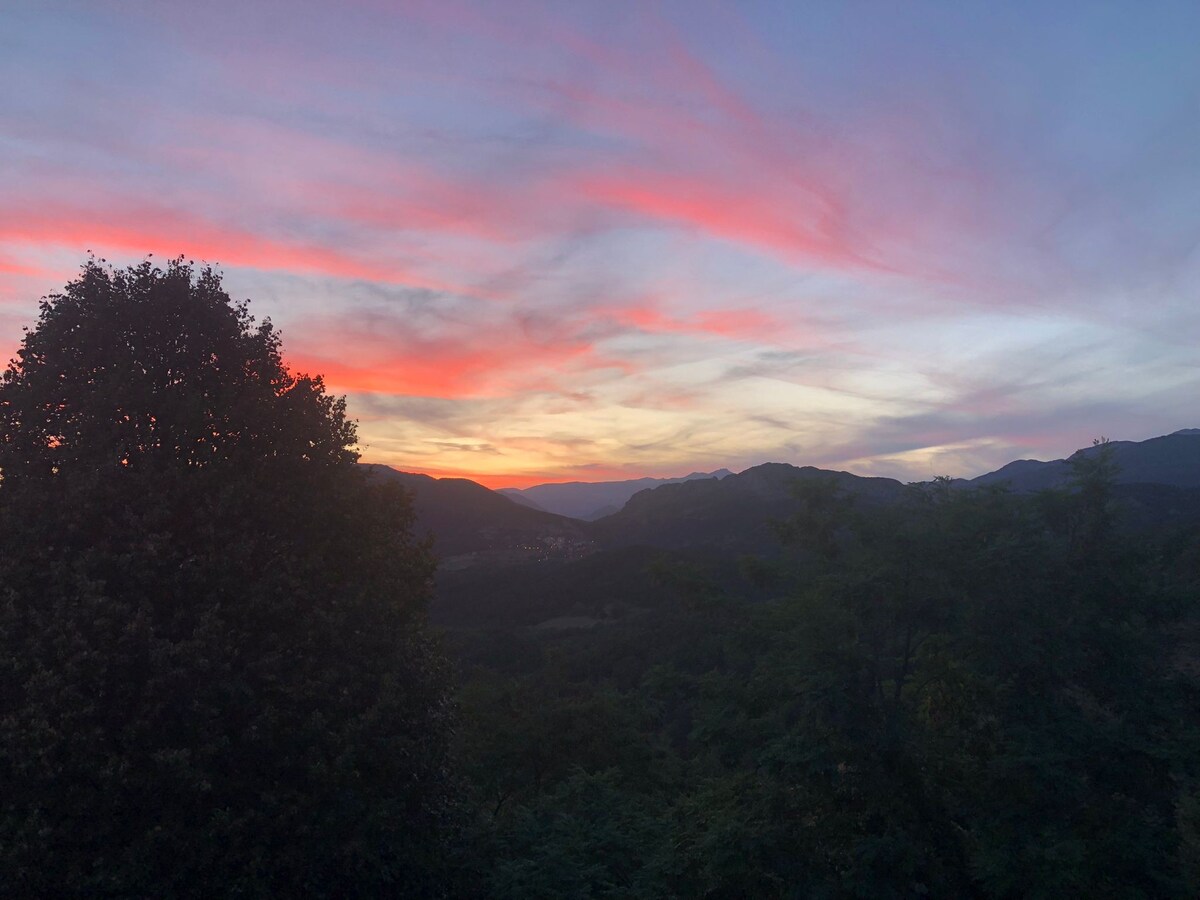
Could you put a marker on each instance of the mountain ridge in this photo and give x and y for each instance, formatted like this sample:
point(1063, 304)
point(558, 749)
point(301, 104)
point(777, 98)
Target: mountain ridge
point(1158, 477)
point(591, 500)
point(1169, 459)
point(470, 523)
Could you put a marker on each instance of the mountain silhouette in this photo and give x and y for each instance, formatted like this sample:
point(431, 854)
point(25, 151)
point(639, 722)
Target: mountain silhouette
point(504, 563)
point(472, 524)
point(589, 500)
point(1158, 482)
point(1172, 460)
point(733, 513)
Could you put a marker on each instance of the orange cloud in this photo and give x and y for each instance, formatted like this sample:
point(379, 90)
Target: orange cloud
point(465, 373)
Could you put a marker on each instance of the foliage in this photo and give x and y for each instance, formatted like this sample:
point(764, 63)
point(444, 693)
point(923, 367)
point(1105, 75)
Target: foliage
point(214, 673)
point(970, 693)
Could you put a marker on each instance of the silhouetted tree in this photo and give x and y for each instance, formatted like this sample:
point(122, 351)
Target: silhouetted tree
point(215, 678)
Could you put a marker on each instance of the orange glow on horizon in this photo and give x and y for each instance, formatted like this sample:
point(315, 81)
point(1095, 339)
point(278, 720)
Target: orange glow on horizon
point(496, 480)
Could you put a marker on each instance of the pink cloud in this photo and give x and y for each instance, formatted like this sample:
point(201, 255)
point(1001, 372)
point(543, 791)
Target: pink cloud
point(697, 153)
point(795, 228)
point(144, 229)
point(374, 198)
point(725, 323)
point(490, 359)
point(432, 203)
point(10, 266)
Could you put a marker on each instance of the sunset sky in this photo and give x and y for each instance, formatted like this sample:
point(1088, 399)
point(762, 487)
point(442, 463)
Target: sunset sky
point(554, 241)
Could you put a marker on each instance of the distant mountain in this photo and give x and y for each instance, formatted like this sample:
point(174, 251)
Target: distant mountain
point(706, 525)
point(518, 497)
point(733, 513)
point(592, 500)
point(1158, 484)
point(1158, 481)
point(472, 524)
point(1172, 460)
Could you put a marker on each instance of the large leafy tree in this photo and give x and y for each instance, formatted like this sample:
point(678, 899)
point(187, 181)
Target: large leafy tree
point(215, 677)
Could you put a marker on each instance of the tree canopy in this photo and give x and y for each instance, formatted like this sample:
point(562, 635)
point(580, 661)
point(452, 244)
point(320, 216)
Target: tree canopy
point(964, 693)
point(215, 676)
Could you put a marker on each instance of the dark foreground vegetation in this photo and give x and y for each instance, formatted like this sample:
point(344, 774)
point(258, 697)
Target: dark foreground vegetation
point(216, 678)
point(965, 694)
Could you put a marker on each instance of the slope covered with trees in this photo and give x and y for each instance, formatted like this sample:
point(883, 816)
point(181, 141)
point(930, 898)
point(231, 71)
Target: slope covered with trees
point(469, 521)
point(591, 500)
point(1171, 460)
point(962, 694)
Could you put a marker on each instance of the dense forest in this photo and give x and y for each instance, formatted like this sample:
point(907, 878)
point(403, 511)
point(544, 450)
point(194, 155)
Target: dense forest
point(966, 693)
point(218, 677)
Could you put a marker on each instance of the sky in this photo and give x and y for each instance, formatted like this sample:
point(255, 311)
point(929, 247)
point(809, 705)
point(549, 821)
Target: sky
point(562, 241)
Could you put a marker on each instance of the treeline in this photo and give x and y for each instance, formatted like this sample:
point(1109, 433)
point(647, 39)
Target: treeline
point(969, 694)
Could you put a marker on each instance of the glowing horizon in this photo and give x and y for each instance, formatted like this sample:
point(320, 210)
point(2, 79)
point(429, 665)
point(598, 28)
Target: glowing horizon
point(551, 242)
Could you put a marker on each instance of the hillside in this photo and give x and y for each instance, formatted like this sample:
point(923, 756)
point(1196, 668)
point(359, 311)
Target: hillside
point(1172, 460)
point(730, 514)
point(472, 524)
point(1158, 481)
point(593, 500)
